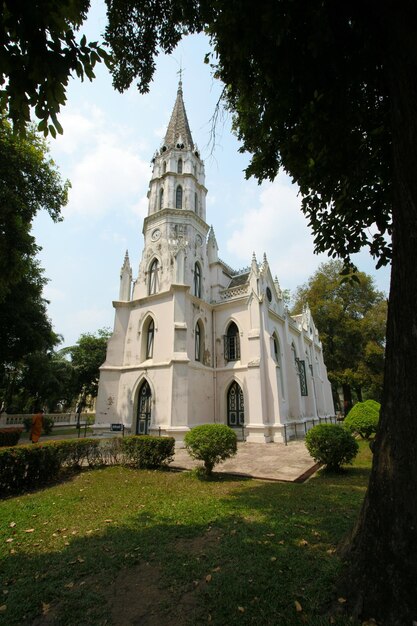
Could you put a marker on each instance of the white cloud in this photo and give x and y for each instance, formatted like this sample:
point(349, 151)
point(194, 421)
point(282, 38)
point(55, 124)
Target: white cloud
point(278, 228)
point(107, 178)
point(101, 158)
point(77, 129)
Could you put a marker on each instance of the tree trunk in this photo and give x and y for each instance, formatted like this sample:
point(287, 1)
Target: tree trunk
point(347, 398)
point(381, 574)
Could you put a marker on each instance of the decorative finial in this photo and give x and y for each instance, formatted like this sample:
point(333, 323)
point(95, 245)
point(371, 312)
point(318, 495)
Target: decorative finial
point(180, 72)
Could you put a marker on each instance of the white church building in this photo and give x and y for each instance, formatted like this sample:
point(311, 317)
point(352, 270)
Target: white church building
point(195, 341)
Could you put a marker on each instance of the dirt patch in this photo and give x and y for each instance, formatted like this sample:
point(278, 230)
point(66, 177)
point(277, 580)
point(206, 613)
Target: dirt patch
point(139, 595)
point(200, 544)
point(136, 596)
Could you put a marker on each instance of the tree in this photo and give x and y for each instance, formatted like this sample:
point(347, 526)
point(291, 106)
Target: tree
point(88, 354)
point(328, 91)
point(45, 379)
point(29, 182)
point(24, 327)
point(39, 52)
point(351, 317)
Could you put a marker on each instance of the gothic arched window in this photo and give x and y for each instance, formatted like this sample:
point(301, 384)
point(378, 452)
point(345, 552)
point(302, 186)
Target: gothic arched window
point(178, 197)
point(198, 341)
point(197, 280)
point(277, 356)
point(150, 334)
point(196, 203)
point(161, 198)
point(232, 343)
point(164, 167)
point(179, 167)
point(153, 286)
point(235, 406)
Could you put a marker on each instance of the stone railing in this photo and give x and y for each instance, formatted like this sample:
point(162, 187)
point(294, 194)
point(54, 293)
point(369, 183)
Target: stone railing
point(234, 292)
point(61, 419)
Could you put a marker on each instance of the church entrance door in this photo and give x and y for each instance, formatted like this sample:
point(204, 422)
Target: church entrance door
point(235, 406)
point(144, 409)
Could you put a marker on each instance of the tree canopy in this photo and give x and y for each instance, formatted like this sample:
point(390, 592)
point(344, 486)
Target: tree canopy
point(39, 52)
point(307, 99)
point(351, 317)
point(87, 355)
point(29, 183)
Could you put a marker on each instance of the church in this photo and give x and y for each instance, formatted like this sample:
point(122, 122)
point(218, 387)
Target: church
point(196, 341)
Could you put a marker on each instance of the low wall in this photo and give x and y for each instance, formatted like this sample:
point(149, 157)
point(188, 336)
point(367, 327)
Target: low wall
point(60, 419)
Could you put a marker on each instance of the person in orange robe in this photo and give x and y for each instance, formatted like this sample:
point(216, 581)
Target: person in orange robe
point(37, 423)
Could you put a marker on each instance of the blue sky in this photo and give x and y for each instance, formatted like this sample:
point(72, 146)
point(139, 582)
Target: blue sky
point(106, 150)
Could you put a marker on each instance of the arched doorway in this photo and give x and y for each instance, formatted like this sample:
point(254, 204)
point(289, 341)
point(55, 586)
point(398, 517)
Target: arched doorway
point(144, 409)
point(235, 406)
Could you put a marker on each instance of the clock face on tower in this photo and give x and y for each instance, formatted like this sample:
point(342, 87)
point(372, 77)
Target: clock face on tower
point(198, 240)
point(155, 235)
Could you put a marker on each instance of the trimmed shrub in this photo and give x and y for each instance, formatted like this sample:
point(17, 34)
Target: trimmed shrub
point(10, 436)
point(27, 466)
point(145, 452)
point(77, 452)
point(363, 418)
point(373, 403)
point(211, 443)
point(331, 445)
point(30, 466)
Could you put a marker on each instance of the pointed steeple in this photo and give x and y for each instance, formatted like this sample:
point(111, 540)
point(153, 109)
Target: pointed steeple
point(178, 131)
point(212, 247)
point(125, 279)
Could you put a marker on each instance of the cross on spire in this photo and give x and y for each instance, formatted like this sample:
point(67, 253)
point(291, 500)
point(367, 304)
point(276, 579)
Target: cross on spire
point(180, 73)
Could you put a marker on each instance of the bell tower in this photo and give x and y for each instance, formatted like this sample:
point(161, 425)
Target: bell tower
point(175, 229)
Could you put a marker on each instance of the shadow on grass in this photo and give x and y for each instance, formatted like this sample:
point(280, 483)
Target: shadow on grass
point(243, 555)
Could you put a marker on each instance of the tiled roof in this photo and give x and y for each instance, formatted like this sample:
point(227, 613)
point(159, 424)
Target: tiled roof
point(241, 279)
point(178, 125)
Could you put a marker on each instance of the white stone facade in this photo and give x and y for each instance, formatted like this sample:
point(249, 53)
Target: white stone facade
point(196, 342)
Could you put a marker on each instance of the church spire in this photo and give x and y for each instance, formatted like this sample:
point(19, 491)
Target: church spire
point(178, 131)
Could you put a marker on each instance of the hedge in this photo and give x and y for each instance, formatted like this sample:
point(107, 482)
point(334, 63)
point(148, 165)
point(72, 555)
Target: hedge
point(145, 452)
point(31, 465)
point(9, 436)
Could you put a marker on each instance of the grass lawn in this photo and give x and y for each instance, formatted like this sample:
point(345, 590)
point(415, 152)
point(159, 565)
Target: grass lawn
point(61, 431)
point(120, 546)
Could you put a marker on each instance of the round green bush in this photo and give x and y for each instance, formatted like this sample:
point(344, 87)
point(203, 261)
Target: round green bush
point(363, 418)
point(211, 443)
point(331, 445)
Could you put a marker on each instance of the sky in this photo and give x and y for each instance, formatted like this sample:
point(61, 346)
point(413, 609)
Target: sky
point(106, 150)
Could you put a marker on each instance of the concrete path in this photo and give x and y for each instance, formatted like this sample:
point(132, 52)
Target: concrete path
point(267, 461)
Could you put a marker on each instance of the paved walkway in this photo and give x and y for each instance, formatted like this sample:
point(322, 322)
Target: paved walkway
point(267, 461)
